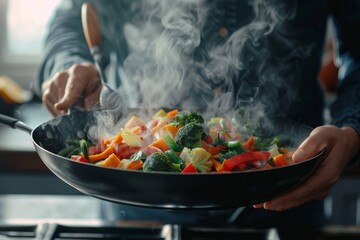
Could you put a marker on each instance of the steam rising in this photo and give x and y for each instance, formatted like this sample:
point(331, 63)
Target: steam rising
point(162, 45)
point(166, 69)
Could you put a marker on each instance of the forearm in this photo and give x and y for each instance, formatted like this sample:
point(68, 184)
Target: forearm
point(353, 146)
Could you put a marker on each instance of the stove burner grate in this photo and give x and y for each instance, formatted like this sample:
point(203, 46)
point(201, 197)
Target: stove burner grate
point(53, 231)
point(61, 232)
point(129, 231)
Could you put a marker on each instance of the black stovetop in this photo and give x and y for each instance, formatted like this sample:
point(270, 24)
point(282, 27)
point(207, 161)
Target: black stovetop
point(77, 217)
point(140, 230)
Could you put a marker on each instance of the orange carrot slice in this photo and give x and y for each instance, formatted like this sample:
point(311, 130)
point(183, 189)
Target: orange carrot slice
point(161, 144)
point(280, 160)
point(110, 161)
point(171, 128)
point(135, 165)
point(218, 166)
point(109, 150)
point(171, 114)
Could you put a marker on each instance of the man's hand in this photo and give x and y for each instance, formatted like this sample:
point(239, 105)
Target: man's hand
point(341, 144)
point(79, 85)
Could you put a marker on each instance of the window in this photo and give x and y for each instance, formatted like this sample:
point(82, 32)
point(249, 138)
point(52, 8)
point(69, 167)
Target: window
point(22, 30)
point(26, 25)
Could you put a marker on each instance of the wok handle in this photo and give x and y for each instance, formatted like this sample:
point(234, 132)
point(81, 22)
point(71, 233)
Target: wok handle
point(14, 123)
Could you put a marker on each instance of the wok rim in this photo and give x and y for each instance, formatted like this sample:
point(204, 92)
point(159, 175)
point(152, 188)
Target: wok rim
point(318, 155)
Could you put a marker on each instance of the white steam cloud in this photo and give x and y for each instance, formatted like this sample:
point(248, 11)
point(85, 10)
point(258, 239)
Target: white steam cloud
point(165, 70)
point(162, 45)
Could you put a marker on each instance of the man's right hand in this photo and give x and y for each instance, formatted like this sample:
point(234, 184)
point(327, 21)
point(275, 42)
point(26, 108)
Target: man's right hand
point(79, 85)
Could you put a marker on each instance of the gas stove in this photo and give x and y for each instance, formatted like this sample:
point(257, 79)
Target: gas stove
point(77, 217)
point(144, 231)
point(49, 231)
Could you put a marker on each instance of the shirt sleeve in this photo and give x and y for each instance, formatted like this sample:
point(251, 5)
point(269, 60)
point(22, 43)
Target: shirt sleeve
point(345, 110)
point(65, 43)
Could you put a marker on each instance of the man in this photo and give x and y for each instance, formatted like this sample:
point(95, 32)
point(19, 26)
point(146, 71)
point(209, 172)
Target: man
point(262, 56)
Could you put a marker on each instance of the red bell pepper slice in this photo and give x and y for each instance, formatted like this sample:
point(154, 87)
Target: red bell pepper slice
point(189, 169)
point(92, 150)
point(79, 158)
point(243, 158)
point(123, 151)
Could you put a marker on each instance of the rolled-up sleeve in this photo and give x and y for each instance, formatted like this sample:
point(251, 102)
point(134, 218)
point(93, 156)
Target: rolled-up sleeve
point(65, 43)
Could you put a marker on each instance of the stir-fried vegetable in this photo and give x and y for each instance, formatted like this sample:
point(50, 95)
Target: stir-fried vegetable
point(200, 159)
point(159, 161)
point(191, 135)
point(180, 141)
point(185, 117)
point(242, 159)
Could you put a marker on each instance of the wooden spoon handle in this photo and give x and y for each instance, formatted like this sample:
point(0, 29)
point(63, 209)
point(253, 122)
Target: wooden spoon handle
point(91, 25)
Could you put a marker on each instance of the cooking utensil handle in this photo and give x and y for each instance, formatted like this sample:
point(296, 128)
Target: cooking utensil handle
point(91, 28)
point(14, 123)
point(91, 25)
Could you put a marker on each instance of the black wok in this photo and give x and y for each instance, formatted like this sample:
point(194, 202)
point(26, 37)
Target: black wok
point(158, 190)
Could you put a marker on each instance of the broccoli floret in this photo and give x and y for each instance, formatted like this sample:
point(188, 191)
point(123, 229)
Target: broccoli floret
point(186, 117)
point(159, 161)
point(191, 134)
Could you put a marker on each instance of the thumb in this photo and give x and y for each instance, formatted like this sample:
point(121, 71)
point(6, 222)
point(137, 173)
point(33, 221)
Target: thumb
point(312, 145)
point(300, 155)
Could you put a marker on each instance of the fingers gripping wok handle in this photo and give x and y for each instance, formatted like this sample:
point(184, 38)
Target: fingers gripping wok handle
point(14, 123)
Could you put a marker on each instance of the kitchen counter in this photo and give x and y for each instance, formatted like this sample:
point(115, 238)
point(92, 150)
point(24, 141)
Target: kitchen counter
point(48, 208)
point(16, 148)
point(21, 169)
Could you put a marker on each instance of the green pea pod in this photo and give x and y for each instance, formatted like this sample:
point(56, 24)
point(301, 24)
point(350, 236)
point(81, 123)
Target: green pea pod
point(75, 151)
point(72, 142)
point(171, 143)
point(175, 158)
point(65, 151)
point(84, 148)
point(234, 144)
